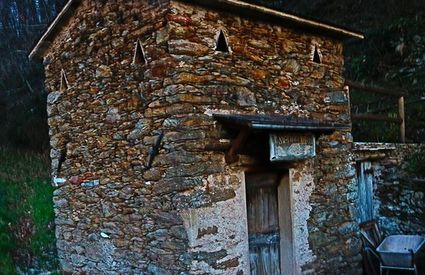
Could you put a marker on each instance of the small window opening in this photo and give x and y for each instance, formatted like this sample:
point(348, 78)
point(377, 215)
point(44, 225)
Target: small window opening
point(139, 54)
point(64, 85)
point(222, 45)
point(316, 56)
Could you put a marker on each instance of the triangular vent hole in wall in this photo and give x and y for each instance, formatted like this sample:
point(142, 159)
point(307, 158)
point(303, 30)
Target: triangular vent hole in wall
point(64, 85)
point(139, 54)
point(316, 56)
point(222, 45)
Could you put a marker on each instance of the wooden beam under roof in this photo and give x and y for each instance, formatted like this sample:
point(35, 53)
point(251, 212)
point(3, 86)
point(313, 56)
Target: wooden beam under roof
point(237, 144)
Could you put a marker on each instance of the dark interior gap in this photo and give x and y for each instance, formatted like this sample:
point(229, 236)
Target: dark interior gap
point(139, 55)
point(316, 56)
point(222, 45)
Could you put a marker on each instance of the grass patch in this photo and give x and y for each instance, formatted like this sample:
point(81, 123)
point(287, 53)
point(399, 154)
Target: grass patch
point(27, 237)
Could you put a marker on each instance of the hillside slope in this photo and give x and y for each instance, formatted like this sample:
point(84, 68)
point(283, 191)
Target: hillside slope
point(27, 239)
point(391, 56)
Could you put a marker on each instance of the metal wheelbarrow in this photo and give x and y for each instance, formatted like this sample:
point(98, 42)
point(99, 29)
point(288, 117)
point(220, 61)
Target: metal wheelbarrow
point(399, 252)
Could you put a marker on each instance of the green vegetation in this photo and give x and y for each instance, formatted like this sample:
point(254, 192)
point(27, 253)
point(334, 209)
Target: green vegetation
point(391, 56)
point(26, 213)
point(415, 164)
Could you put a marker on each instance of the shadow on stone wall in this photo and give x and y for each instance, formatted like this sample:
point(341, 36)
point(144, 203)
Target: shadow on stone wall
point(398, 196)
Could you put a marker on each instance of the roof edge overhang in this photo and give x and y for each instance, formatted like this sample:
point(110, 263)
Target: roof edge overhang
point(250, 9)
point(272, 123)
point(228, 5)
point(53, 29)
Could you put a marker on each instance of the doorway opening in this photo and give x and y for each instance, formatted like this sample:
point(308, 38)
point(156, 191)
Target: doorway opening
point(269, 212)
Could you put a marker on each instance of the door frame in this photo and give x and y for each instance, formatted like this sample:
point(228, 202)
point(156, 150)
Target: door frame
point(287, 255)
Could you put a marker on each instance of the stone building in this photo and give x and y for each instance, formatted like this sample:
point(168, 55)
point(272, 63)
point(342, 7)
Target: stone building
point(199, 137)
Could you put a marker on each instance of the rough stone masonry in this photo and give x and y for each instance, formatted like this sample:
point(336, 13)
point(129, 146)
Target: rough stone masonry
point(146, 188)
point(398, 197)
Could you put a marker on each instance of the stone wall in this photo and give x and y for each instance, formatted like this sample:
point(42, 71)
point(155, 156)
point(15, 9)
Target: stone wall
point(109, 218)
point(332, 222)
point(147, 187)
point(399, 199)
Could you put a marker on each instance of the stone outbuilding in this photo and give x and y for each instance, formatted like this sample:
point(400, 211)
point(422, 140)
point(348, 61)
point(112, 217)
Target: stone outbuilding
point(199, 137)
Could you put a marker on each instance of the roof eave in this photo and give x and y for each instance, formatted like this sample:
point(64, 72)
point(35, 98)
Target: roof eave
point(262, 122)
point(43, 43)
point(298, 20)
point(261, 126)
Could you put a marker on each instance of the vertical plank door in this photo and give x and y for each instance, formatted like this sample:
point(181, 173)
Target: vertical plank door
point(365, 187)
point(263, 223)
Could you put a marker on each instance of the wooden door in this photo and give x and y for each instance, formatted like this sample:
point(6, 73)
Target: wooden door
point(263, 223)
